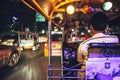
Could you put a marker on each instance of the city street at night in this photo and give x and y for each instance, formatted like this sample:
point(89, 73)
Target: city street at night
point(59, 39)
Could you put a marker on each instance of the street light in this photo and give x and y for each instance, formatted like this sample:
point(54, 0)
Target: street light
point(70, 9)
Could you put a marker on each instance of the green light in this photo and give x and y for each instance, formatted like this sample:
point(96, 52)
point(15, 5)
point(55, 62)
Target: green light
point(39, 17)
point(107, 6)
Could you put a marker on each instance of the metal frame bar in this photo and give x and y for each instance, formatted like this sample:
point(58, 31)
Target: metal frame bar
point(65, 76)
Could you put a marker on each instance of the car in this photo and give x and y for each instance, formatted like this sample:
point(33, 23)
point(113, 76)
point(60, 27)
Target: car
point(28, 40)
point(9, 53)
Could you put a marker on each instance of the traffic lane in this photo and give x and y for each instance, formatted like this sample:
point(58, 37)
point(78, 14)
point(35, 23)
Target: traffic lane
point(30, 68)
point(26, 58)
point(34, 70)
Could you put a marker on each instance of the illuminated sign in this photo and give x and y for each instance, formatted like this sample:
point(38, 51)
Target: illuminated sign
point(39, 17)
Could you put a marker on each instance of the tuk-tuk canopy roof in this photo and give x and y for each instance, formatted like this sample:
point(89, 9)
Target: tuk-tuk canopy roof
point(48, 7)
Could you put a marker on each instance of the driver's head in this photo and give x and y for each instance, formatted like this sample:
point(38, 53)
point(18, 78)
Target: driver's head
point(99, 21)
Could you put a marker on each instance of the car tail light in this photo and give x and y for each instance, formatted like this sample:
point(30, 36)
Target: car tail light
point(46, 44)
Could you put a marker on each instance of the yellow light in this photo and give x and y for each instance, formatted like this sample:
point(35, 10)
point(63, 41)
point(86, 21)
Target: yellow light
point(70, 9)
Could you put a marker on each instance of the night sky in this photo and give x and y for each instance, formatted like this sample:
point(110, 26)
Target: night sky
point(23, 16)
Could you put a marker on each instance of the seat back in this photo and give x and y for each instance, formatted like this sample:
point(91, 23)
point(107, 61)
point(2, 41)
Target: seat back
point(103, 61)
point(103, 50)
